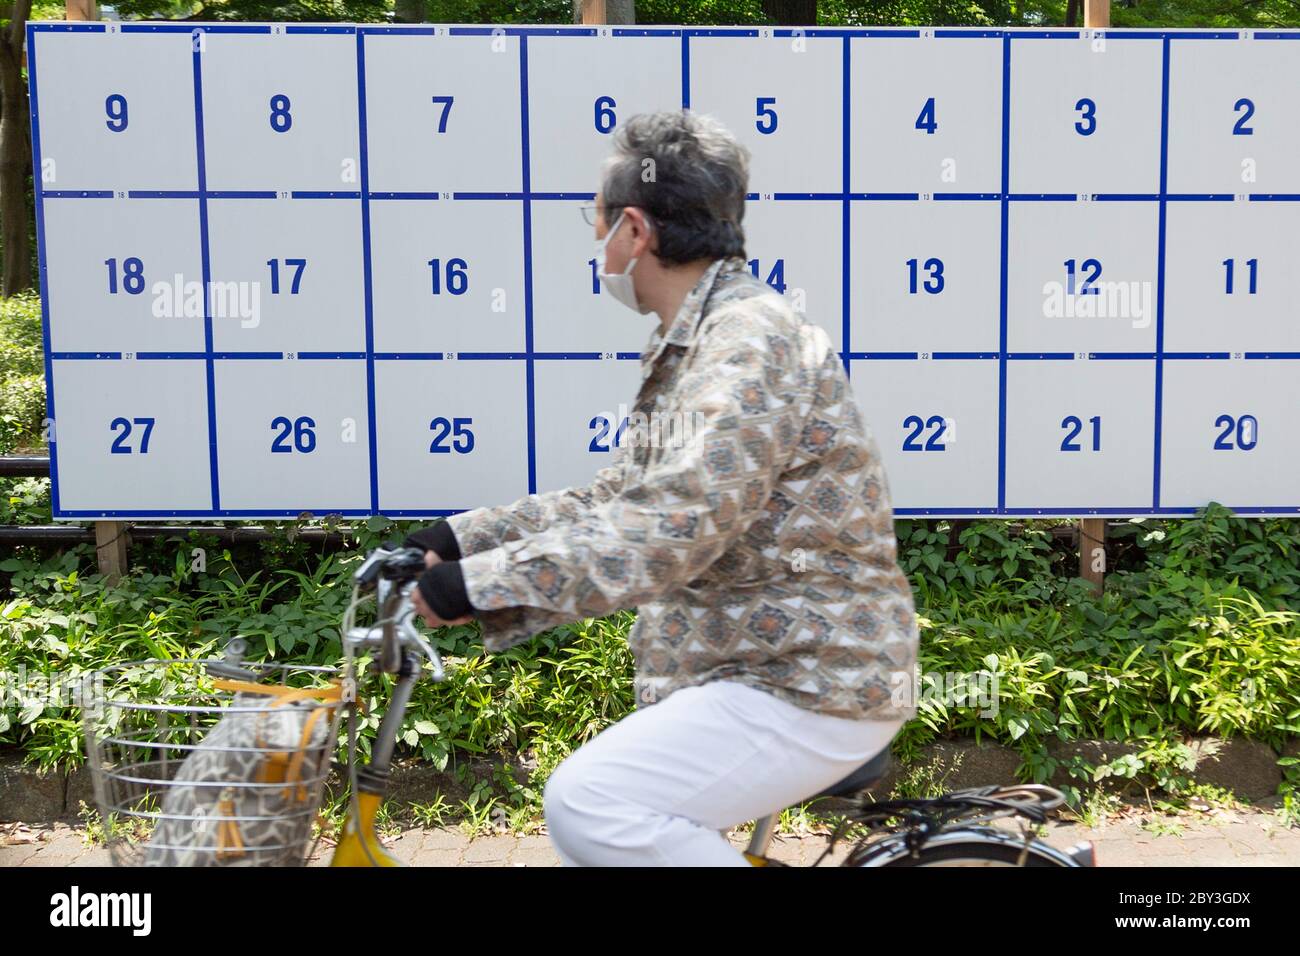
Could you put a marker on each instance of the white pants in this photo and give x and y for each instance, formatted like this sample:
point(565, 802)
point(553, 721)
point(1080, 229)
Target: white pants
point(656, 788)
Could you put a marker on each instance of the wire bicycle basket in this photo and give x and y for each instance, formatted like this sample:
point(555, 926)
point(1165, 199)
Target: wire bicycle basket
point(199, 762)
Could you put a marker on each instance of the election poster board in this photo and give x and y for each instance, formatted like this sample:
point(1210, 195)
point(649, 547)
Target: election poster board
point(342, 269)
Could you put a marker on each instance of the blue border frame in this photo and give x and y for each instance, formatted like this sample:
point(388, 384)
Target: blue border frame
point(526, 196)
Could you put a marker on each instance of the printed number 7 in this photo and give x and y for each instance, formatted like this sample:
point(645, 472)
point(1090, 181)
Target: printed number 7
point(446, 102)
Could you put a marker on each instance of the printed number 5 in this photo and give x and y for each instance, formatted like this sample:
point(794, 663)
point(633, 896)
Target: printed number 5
point(765, 112)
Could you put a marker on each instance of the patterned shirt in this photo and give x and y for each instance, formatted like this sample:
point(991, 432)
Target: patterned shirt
point(746, 516)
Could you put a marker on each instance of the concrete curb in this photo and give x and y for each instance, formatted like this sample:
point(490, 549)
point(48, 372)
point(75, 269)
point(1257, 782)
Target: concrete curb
point(1246, 767)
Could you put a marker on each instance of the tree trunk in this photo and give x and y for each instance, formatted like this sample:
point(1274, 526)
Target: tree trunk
point(408, 11)
point(791, 13)
point(1072, 9)
point(15, 154)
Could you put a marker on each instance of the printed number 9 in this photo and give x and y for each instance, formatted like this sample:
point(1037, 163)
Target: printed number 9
point(115, 108)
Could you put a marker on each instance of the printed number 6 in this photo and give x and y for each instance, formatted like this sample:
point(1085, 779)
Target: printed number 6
point(605, 117)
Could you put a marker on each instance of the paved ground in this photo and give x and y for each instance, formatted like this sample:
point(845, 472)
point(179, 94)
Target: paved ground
point(1216, 838)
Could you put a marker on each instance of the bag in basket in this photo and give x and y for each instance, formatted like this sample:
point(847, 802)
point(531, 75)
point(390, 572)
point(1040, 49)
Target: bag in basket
point(244, 795)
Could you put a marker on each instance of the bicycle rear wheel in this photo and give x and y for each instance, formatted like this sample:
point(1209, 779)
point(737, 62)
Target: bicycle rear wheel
point(976, 853)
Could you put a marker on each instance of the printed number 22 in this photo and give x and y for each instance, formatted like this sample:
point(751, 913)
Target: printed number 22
point(917, 425)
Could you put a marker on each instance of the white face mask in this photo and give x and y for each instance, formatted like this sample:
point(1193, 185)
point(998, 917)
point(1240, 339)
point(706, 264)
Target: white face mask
point(620, 286)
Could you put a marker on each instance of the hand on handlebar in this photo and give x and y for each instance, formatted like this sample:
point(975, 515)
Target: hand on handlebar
point(422, 607)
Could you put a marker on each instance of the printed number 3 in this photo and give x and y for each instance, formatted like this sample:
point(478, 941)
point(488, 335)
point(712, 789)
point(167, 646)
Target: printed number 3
point(1087, 123)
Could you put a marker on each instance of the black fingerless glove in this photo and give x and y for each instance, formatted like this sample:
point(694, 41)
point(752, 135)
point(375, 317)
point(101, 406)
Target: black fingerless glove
point(438, 538)
point(443, 589)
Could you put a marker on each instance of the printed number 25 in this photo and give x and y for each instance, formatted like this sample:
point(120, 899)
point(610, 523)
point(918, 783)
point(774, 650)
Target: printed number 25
point(464, 438)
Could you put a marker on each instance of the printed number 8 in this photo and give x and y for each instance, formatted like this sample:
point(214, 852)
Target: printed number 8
point(281, 120)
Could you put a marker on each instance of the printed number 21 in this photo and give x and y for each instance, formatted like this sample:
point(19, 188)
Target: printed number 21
point(1068, 443)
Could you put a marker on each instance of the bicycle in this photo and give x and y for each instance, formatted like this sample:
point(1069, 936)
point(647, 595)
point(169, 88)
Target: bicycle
point(954, 829)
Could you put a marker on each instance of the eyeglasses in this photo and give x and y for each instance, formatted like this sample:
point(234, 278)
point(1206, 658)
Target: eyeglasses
point(589, 212)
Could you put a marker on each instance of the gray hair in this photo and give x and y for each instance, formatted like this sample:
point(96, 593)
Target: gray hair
point(689, 174)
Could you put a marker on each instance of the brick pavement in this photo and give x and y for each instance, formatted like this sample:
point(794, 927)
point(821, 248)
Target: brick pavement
point(1243, 837)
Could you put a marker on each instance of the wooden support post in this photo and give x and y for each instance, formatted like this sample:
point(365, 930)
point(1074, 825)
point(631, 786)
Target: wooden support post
point(110, 536)
point(1096, 13)
point(1092, 531)
point(1092, 551)
point(81, 10)
point(593, 12)
point(110, 548)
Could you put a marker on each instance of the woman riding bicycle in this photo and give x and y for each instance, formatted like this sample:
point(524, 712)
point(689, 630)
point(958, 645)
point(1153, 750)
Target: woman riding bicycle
point(776, 638)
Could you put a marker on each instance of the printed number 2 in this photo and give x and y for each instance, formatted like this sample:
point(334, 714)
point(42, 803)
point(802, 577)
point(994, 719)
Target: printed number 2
point(917, 425)
point(119, 447)
point(1240, 128)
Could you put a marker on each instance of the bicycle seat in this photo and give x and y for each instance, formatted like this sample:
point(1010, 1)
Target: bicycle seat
point(860, 779)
